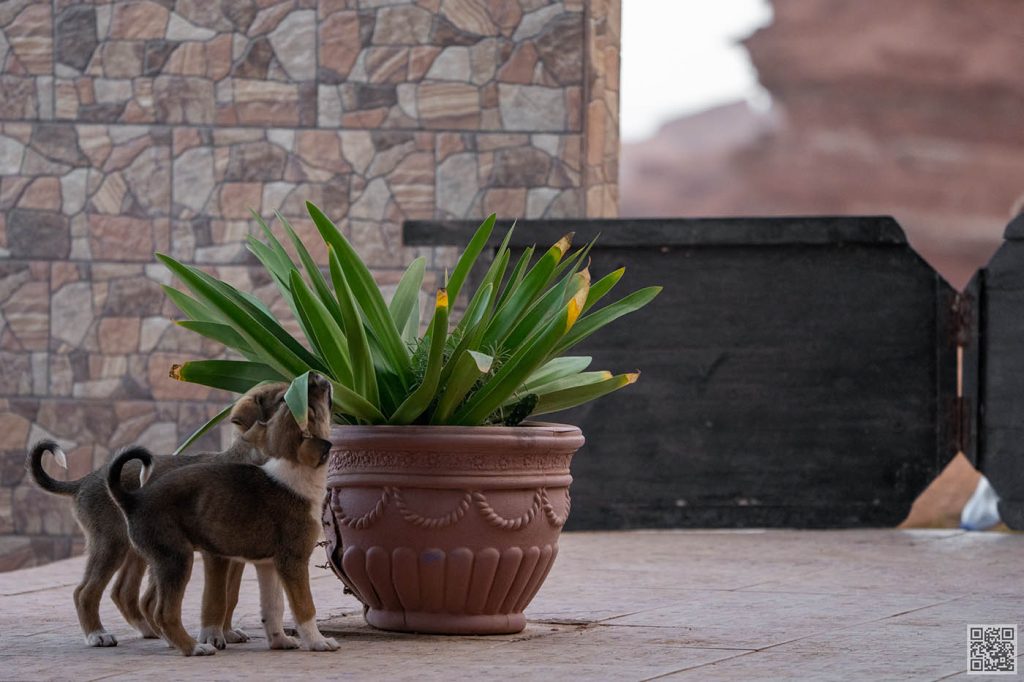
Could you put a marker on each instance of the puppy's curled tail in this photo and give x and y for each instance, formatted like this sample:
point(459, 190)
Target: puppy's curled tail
point(124, 498)
point(43, 479)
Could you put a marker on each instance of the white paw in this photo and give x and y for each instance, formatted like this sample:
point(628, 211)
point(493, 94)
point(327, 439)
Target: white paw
point(282, 641)
point(235, 636)
point(100, 638)
point(323, 644)
point(214, 636)
point(203, 650)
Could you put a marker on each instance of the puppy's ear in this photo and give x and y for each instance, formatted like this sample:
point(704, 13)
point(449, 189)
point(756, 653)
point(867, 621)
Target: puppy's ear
point(246, 412)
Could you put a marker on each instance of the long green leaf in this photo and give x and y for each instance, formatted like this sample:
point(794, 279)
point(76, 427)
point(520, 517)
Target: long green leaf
point(469, 256)
point(312, 270)
point(204, 429)
point(220, 333)
point(271, 349)
point(516, 277)
point(581, 379)
point(280, 271)
point(367, 293)
point(281, 256)
point(360, 357)
point(237, 376)
point(601, 287)
point(591, 323)
point(420, 399)
point(192, 308)
point(473, 318)
point(546, 306)
point(405, 304)
point(297, 399)
point(556, 369)
point(519, 301)
point(524, 361)
point(468, 369)
point(244, 303)
point(328, 335)
point(495, 273)
point(571, 397)
point(350, 404)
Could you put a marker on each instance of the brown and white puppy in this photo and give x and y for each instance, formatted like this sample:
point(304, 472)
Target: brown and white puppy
point(268, 515)
point(109, 549)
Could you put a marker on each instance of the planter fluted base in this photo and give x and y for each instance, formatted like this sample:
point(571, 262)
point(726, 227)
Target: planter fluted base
point(447, 530)
point(446, 623)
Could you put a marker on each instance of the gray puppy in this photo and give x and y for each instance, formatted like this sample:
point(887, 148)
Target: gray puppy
point(110, 551)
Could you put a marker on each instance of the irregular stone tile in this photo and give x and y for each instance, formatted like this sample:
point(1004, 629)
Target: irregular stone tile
point(294, 42)
point(470, 16)
point(451, 64)
point(183, 100)
point(193, 178)
point(76, 37)
point(457, 184)
point(338, 45)
point(43, 193)
point(37, 234)
point(71, 312)
point(448, 105)
point(519, 167)
point(533, 22)
point(402, 25)
point(31, 41)
point(560, 48)
point(531, 108)
point(179, 28)
point(118, 237)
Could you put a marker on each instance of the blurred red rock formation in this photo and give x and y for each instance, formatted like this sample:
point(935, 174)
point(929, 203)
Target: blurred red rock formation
point(913, 109)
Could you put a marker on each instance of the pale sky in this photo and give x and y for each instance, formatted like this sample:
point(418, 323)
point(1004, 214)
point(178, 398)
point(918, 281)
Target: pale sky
point(681, 56)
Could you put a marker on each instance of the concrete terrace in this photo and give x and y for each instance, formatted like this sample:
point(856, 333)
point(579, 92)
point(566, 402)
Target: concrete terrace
point(687, 605)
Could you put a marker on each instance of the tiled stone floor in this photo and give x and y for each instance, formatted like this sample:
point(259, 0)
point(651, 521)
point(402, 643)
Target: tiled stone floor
point(693, 605)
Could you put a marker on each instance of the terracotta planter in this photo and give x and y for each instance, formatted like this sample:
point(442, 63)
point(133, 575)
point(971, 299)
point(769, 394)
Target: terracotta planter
point(447, 529)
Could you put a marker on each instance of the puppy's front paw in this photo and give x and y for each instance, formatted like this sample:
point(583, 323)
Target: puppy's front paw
point(201, 649)
point(324, 644)
point(235, 636)
point(214, 636)
point(282, 641)
point(100, 638)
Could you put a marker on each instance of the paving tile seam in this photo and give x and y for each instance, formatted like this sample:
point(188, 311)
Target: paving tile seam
point(701, 665)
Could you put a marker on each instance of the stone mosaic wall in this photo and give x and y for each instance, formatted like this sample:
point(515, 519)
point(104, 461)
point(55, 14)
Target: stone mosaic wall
point(133, 126)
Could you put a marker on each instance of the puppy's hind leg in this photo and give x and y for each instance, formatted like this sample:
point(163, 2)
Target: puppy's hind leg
point(126, 593)
point(148, 606)
point(232, 634)
point(215, 571)
point(104, 558)
point(171, 571)
point(272, 608)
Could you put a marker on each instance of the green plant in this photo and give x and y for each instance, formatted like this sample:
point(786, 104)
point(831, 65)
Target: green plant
point(502, 362)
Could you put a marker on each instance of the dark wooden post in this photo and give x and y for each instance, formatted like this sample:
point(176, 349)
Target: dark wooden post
point(994, 373)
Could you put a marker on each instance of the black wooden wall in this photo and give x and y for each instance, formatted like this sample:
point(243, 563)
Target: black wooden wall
point(796, 372)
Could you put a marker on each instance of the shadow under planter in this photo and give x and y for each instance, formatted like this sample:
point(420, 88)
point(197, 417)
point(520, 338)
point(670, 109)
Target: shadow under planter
point(447, 529)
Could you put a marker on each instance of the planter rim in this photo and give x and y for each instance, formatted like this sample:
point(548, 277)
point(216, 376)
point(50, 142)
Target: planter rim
point(537, 454)
point(529, 429)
